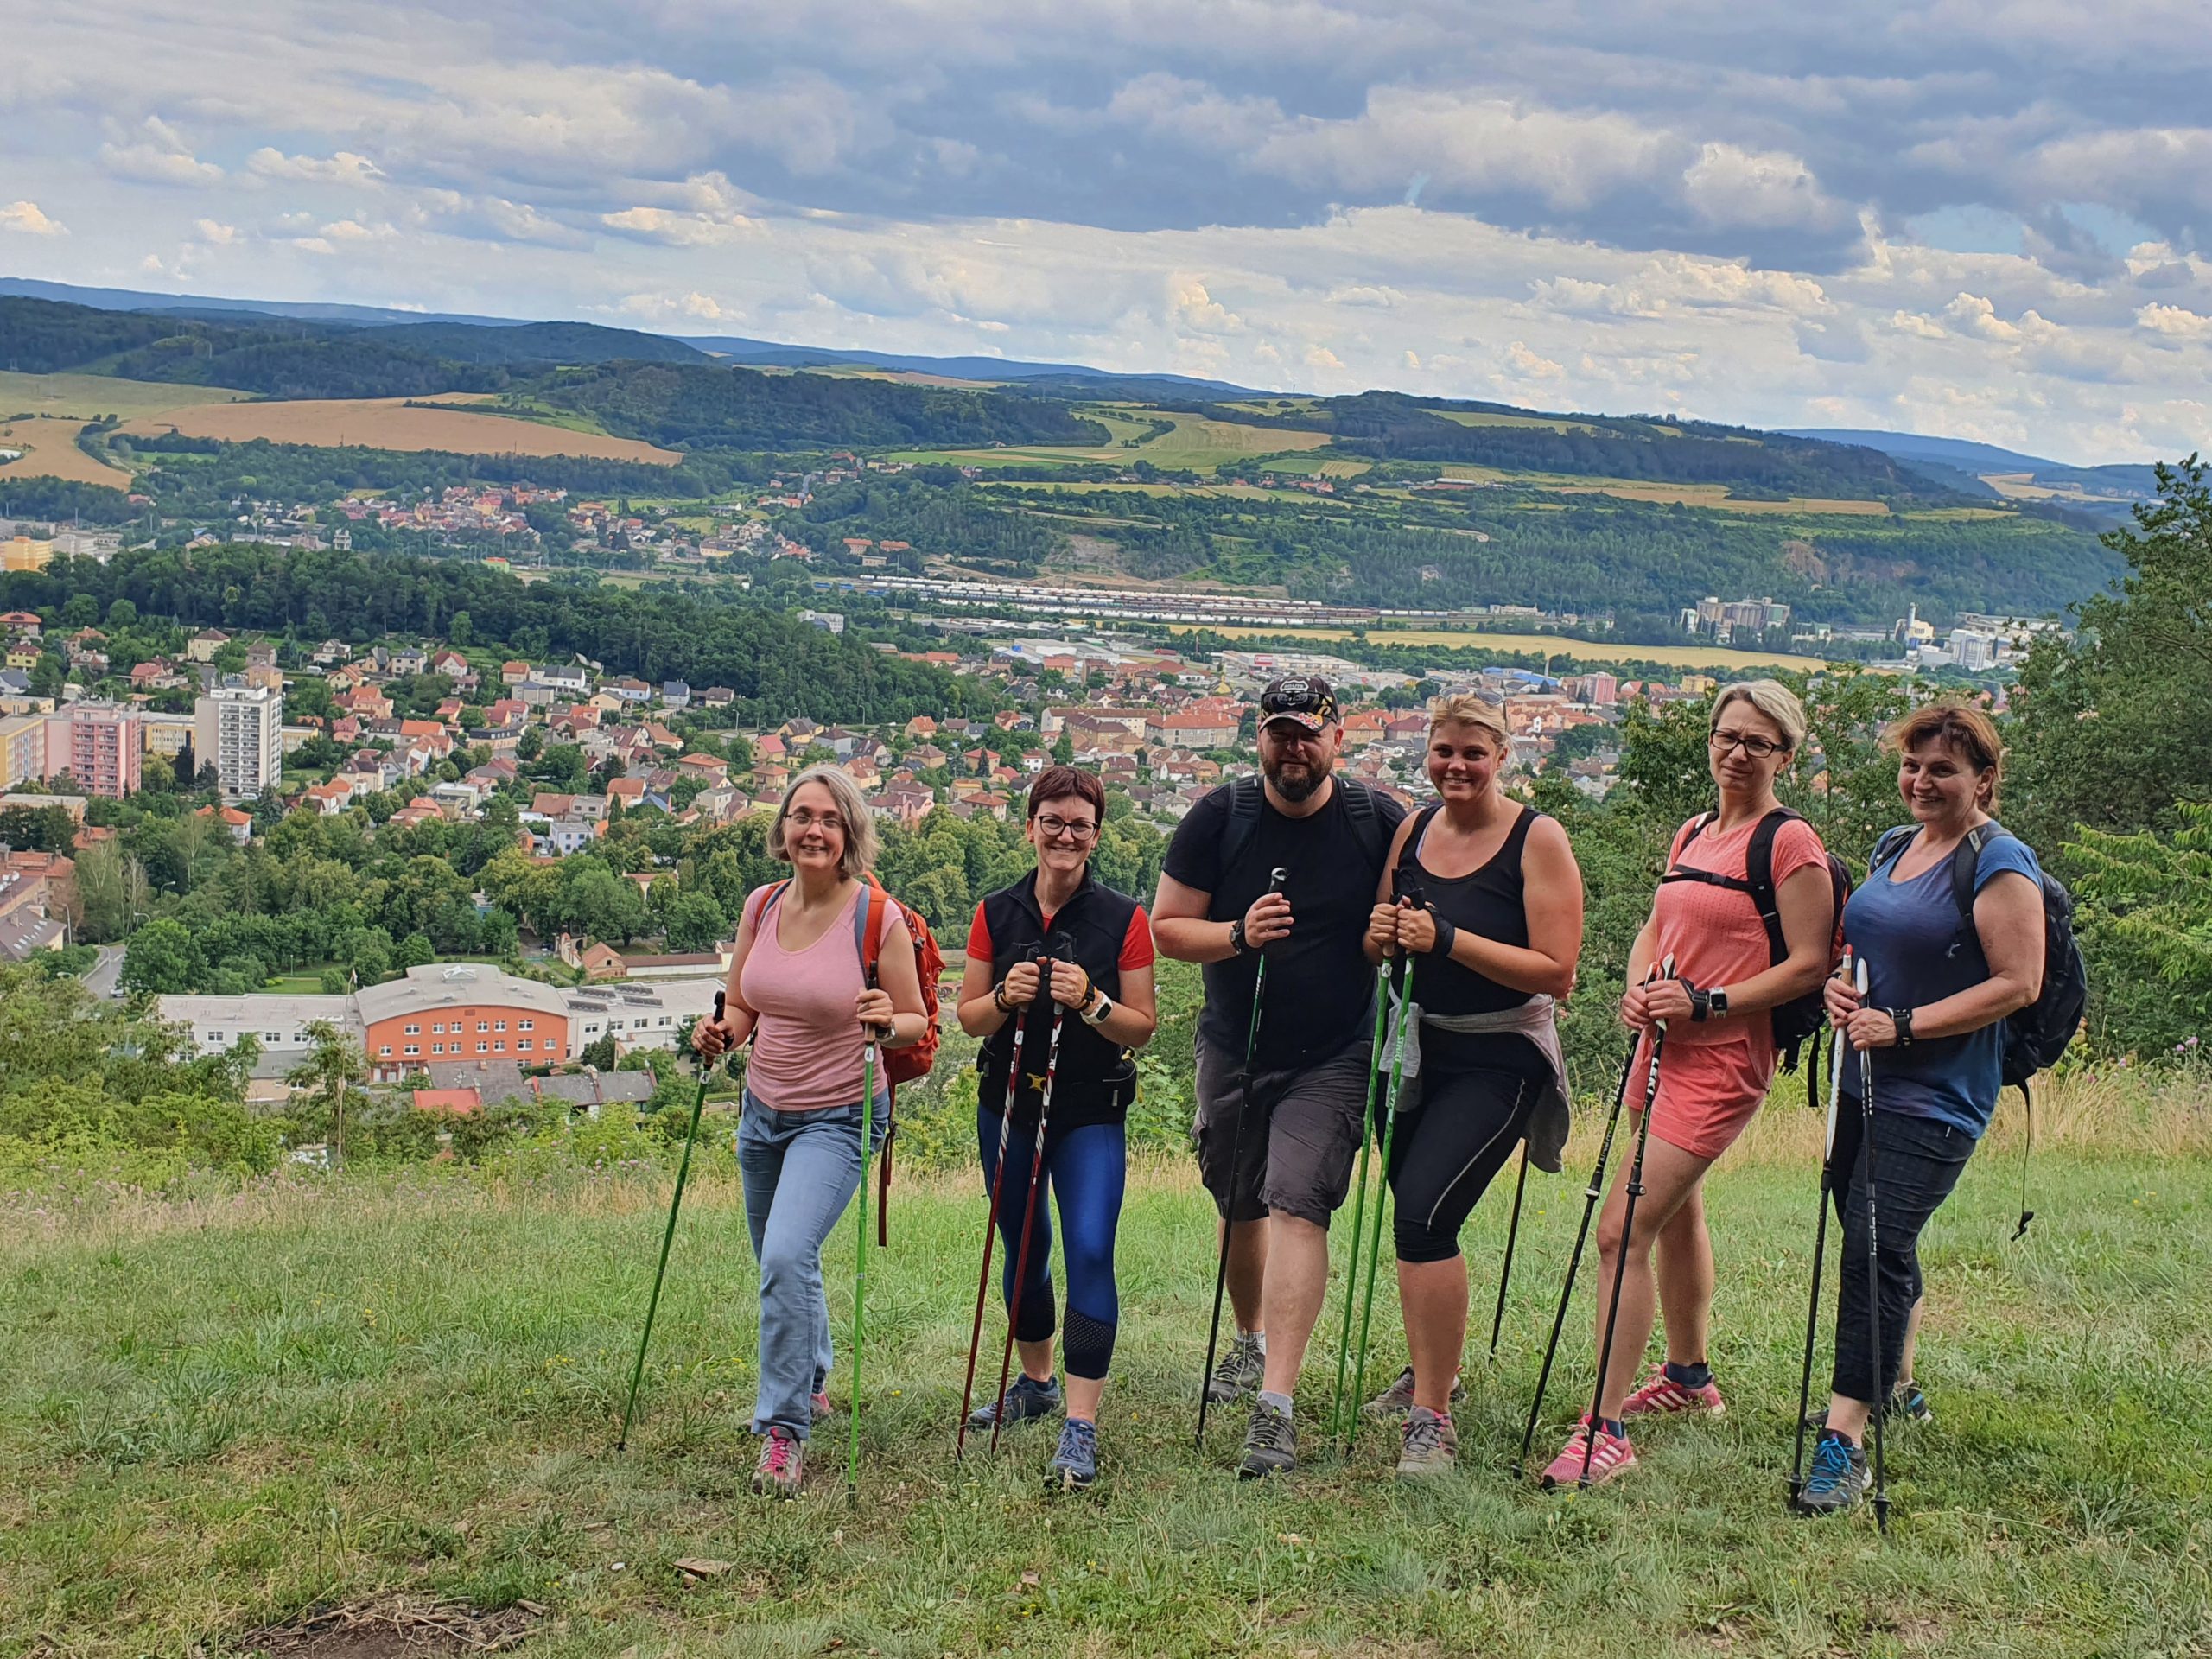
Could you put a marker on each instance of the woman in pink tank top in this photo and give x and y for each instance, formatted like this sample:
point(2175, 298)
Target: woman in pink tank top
point(796, 989)
point(1714, 1069)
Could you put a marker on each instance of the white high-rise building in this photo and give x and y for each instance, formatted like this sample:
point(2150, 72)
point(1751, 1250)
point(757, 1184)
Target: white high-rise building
point(239, 730)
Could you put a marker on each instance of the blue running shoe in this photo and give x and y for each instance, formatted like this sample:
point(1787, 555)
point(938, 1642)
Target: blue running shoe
point(1027, 1398)
point(1840, 1478)
point(1075, 1466)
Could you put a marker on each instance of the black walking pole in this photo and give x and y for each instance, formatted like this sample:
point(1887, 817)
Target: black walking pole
point(667, 1234)
point(1628, 1232)
point(991, 1227)
point(1591, 1194)
point(1512, 1232)
point(1874, 1258)
point(1276, 878)
point(1028, 1212)
point(1836, 1045)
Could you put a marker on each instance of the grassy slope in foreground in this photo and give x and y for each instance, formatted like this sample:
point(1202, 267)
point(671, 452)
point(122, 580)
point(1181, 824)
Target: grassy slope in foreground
point(218, 1417)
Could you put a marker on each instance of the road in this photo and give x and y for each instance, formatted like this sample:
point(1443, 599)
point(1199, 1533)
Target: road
point(105, 977)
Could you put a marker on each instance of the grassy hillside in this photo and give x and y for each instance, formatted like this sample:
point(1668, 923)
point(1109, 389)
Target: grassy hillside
point(219, 1414)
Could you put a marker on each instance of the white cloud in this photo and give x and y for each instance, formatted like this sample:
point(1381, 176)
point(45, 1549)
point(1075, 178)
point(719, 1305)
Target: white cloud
point(676, 308)
point(29, 218)
point(2173, 321)
point(1190, 306)
point(1728, 185)
point(215, 232)
point(1531, 366)
point(677, 230)
point(155, 154)
point(343, 166)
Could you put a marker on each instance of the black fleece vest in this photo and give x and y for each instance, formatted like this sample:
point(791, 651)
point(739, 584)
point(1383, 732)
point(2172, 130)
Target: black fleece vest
point(1094, 1080)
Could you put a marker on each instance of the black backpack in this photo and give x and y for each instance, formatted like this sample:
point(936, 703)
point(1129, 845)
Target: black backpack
point(2036, 1035)
point(1245, 801)
point(1802, 1017)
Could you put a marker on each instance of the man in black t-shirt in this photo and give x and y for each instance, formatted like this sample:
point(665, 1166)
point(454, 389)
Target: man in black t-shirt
point(1308, 1083)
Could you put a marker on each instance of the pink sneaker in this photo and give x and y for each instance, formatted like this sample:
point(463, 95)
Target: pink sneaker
point(1609, 1457)
point(781, 1466)
point(820, 1402)
point(1662, 1397)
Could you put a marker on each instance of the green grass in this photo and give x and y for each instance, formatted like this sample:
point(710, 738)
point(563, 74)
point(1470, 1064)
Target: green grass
point(84, 396)
point(218, 1414)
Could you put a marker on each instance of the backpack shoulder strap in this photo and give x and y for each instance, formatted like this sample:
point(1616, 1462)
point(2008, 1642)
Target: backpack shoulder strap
point(1891, 845)
point(1366, 817)
point(1758, 870)
point(1966, 867)
point(872, 917)
point(1244, 805)
point(769, 895)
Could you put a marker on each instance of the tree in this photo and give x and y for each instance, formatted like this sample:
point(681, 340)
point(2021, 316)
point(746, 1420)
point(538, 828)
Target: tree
point(162, 959)
point(696, 922)
point(2097, 741)
point(416, 951)
point(335, 1064)
point(38, 829)
point(122, 614)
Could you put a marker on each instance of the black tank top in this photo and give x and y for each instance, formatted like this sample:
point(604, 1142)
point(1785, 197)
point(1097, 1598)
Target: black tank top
point(1488, 901)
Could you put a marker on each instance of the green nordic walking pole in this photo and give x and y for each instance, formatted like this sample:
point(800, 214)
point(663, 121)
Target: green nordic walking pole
point(668, 1235)
point(1390, 1125)
point(859, 1269)
point(1359, 1186)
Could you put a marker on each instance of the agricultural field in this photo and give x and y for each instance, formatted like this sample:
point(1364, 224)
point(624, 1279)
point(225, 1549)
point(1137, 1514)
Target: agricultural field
point(1486, 417)
point(1195, 444)
point(83, 397)
point(50, 451)
point(393, 423)
point(1586, 651)
point(335, 1397)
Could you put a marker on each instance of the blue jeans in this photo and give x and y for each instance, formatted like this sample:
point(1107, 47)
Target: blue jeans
point(800, 1171)
point(1085, 1169)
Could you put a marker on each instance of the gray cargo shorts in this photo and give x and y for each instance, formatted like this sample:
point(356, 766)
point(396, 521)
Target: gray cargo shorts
point(1299, 1142)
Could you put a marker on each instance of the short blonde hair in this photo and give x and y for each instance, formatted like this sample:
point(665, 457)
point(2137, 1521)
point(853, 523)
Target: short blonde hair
point(1472, 708)
point(1771, 699)
point(861, 843)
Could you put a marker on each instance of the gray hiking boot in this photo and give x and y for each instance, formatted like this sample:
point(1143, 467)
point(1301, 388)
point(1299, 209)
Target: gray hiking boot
point(1027, 1398)
point(1397, 1399)
point(1430, 1444)
point(1839, 1479)
point(1271, 1444)
point(1240, 1371)
point(781, 1466)
point(1075, 1466)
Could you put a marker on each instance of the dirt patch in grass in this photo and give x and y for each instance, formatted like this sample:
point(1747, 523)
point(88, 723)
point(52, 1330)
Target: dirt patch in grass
point(393, 1627)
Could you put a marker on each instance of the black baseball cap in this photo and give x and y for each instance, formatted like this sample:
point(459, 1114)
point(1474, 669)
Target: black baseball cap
point(1305, 698)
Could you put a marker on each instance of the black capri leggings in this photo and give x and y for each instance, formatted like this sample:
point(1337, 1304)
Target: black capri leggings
point(1452, 1140)
point(1917, 1160)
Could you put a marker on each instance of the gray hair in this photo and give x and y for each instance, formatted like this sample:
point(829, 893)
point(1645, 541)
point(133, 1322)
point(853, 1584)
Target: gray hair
point(1771, 699)
point(859, 822)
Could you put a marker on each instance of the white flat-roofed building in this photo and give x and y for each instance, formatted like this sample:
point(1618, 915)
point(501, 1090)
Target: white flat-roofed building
point(278, 1023)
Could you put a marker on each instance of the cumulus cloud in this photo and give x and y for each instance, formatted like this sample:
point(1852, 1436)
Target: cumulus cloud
point(342, 167)
point(214, 232)
point(155, 154)
point(29, 218)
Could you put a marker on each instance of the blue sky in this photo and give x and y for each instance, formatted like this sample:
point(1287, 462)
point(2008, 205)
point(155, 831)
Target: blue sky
point(1980, 219)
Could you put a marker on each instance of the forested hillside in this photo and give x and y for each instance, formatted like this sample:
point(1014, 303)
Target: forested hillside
point(777, 665)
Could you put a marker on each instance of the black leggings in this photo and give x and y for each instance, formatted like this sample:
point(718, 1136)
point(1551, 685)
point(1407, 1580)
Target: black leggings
point(1917, 1160)
point(1452, 1140)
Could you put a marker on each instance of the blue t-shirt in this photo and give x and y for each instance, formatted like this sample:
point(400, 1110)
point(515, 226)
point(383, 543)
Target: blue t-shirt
point(1919, 950)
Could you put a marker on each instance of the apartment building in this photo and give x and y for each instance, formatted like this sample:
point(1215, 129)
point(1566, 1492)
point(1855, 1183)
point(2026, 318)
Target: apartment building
point(239, 730)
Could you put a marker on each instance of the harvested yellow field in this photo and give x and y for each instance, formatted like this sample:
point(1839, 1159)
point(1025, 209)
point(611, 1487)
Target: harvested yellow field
point(50, 450)
point(1716, 498)
point(1549, 643)
point(392, 423)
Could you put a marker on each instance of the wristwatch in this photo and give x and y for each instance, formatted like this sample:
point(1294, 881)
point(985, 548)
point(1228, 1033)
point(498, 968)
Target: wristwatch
point(1100, 1011)
point(1717, 999)
point(1902, 1017)
point(1237, 945)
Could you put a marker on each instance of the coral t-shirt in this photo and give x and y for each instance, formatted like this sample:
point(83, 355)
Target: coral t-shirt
point(1713, 933)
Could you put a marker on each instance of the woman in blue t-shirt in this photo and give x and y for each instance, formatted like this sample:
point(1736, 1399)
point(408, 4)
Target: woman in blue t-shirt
point(1940, 990)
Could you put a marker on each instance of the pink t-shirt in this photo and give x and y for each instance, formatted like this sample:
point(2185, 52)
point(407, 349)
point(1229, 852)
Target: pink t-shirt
point(806, 1049)
point(1715, 935)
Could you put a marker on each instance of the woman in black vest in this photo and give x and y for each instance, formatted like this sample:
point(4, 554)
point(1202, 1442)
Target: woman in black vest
point(1097, 987)
point(1494, 932)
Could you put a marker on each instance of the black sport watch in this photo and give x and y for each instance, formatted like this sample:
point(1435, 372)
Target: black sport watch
point(1237, 945)
point(1902, 1017)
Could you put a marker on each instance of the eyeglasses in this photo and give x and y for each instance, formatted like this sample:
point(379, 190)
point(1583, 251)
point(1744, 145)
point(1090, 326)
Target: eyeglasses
point(829, 822)
point(1078, 831)
point(1757, 748)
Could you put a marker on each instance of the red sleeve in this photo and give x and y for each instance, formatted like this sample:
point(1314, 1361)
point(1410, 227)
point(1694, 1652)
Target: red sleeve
point(1797, 845)
point(979, 937)
point(1136, 943)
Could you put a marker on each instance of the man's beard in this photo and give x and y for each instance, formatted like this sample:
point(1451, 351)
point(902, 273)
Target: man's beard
point(1299, 788)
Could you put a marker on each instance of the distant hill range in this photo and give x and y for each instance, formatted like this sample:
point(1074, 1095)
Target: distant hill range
point(1984, 468)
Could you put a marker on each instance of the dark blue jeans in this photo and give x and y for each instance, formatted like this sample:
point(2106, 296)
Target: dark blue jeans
point(1917, 1160)
point(1085, 1169)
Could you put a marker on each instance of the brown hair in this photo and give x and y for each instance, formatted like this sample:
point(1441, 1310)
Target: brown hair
point(1966, 730)
point(1057, 783)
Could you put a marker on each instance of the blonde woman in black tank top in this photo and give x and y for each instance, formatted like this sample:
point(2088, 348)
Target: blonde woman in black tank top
point(1502, 923)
